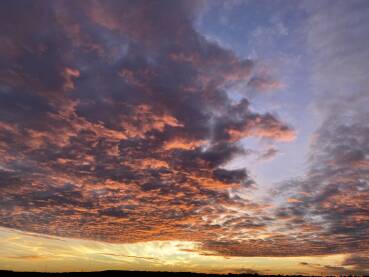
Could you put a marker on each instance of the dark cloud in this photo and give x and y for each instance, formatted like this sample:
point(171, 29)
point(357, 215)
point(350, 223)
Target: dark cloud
point(230, 176)
point(268, 154)
point(332, 200)
point(116, 114)
point(264, 83)
point(355, 264)
point(8, 178)
point(324, 212)
point(358, 262)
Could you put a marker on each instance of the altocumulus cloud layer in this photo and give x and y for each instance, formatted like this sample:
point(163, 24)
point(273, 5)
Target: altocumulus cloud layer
point(116, 125)
point(115, 122)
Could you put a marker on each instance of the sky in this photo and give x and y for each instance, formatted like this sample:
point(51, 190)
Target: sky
point(191, 135)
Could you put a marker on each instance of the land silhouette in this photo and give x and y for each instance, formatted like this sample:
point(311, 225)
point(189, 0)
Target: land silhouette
point(145, 273)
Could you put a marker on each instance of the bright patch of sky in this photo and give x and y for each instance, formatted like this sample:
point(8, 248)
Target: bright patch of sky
point(272, 34)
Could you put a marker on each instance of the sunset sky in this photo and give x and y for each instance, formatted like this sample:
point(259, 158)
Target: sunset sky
point(190, 135)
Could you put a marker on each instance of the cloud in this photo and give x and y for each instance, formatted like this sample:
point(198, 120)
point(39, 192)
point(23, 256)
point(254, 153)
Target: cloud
point(355, 264)
point(115, 123)
point(327, 209)
point(324, 211)
point(328, 206)
point(268, 154)
point(264, 83)
point(358, 262)
point(33, 257)
point(129, 256)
